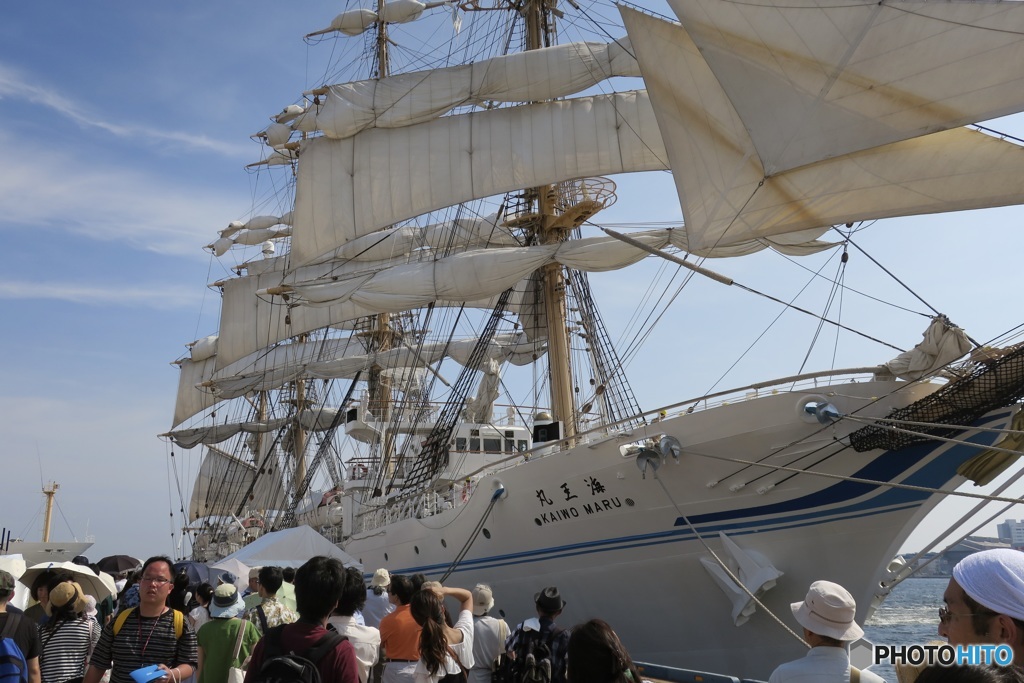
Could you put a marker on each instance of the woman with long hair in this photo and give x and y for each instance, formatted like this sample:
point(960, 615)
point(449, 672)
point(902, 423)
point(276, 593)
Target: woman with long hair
point(68, 636)
point(446, 652)
point(596, 655)
point(201, 614)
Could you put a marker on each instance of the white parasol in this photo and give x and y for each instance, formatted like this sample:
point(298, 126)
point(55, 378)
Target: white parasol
point(99, 587)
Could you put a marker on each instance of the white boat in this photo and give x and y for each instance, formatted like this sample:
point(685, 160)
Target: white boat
point(46, 550)
point(442, 228)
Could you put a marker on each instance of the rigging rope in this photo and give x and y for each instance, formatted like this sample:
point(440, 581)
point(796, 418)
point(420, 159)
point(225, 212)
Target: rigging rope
point(722, 564)
point(461, 555)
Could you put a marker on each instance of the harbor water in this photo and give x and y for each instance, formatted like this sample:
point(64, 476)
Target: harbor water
point(909, 615)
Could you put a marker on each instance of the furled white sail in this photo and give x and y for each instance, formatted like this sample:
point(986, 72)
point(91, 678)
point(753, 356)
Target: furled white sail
point(816, 79)
point(213, 434)
point(352, 22)
point(481, 272)
point(223, 483)
point(250, 321)
point(459, 233)
point(508, 347)
point(728, 198)
point(419, 96)
point(943, 343)
point(315, 420)
point(349, 188)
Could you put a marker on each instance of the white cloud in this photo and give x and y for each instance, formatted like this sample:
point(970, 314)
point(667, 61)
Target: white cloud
point(133, 205)
point(159, 297)
point(15, 84)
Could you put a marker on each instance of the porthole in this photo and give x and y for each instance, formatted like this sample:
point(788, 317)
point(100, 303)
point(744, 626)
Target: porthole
point(444, 543)
point(487, 533)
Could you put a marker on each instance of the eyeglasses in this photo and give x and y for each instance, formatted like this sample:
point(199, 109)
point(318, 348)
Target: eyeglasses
point(158, 582)
point(945, 615)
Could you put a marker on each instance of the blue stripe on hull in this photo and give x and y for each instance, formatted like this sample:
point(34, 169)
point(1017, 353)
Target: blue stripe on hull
point(824, 506)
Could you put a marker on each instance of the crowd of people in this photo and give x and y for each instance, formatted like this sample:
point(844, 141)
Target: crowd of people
point(322, 624)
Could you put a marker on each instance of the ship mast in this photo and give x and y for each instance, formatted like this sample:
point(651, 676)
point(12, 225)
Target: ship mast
point(381, 332)
point(539, 33)
point(48, 515)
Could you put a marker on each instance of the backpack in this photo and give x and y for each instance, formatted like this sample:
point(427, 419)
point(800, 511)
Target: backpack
point(13, 667)
point(533, 662)
point(179, 621)
point(291, 667)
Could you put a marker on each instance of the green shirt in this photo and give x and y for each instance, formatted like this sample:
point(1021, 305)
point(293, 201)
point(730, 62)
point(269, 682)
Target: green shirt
point(217, 641)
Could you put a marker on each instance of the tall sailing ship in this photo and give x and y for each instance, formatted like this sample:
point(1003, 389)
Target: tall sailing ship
point(410, 359)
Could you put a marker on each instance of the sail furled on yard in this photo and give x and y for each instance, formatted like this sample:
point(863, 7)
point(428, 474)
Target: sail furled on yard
point(349, 188)
point(728, 196)
point(419, 96)
point(224, 481)
point(487, 272)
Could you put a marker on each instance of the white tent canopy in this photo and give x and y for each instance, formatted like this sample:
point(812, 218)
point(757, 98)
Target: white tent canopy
point(289, 548)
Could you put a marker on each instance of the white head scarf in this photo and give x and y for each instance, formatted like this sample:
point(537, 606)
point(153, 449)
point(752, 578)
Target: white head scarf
point(994, 579)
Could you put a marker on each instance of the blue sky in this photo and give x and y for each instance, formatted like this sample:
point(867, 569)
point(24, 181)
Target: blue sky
point(125, 127)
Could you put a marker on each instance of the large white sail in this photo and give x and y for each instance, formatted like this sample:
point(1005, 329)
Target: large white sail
point(816, 79)
point(189, 400)
point(349, 188)
point(420, 96)
point(727, 195)
point(224, 481)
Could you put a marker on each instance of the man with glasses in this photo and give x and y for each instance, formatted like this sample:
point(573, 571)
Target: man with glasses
point(149, 634)
point(985, 601)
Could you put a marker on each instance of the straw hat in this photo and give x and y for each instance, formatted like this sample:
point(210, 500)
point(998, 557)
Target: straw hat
point(65, 592)
point(828, 610)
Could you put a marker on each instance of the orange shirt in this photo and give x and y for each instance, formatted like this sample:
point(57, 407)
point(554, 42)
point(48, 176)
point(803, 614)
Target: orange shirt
point(400, 635)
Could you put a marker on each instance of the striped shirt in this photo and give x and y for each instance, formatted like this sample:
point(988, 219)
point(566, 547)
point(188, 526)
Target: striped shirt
point(66, 644)
point(143, 641)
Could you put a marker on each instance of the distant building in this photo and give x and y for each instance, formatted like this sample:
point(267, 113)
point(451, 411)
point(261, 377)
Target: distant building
point(968, 546)
point(1012, 533)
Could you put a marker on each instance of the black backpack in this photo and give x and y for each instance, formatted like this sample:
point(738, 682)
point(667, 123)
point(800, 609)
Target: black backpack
point(533, 662)
point(291, 667)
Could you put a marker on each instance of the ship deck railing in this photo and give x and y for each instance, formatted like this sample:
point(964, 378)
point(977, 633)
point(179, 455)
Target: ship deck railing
point(670, 674)
point(427, 503)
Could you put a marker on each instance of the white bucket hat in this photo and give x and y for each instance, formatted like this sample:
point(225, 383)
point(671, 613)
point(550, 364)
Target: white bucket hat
point(483, 599)
point(828, 610)
point(381, 578)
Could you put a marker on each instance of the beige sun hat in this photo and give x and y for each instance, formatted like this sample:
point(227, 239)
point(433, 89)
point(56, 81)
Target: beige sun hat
point(828, 610)
point(483, 599)
point(381, 578)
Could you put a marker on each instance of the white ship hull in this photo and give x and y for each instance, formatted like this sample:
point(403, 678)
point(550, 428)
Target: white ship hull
point(620, 546)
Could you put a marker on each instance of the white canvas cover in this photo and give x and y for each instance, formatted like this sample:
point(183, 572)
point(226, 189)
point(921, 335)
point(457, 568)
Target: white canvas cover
point(728, 198)
point(816, 79)
point(290, 548)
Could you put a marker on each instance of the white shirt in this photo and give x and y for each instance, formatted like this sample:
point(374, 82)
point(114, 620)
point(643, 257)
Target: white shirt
point(489, 635)
point(365, 640)
point(200, 616)
point(464, 650)
point(822, 664)
point(376, 608)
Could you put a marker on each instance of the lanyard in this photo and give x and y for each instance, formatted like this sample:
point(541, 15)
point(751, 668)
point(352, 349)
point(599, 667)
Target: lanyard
point(138, 638)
